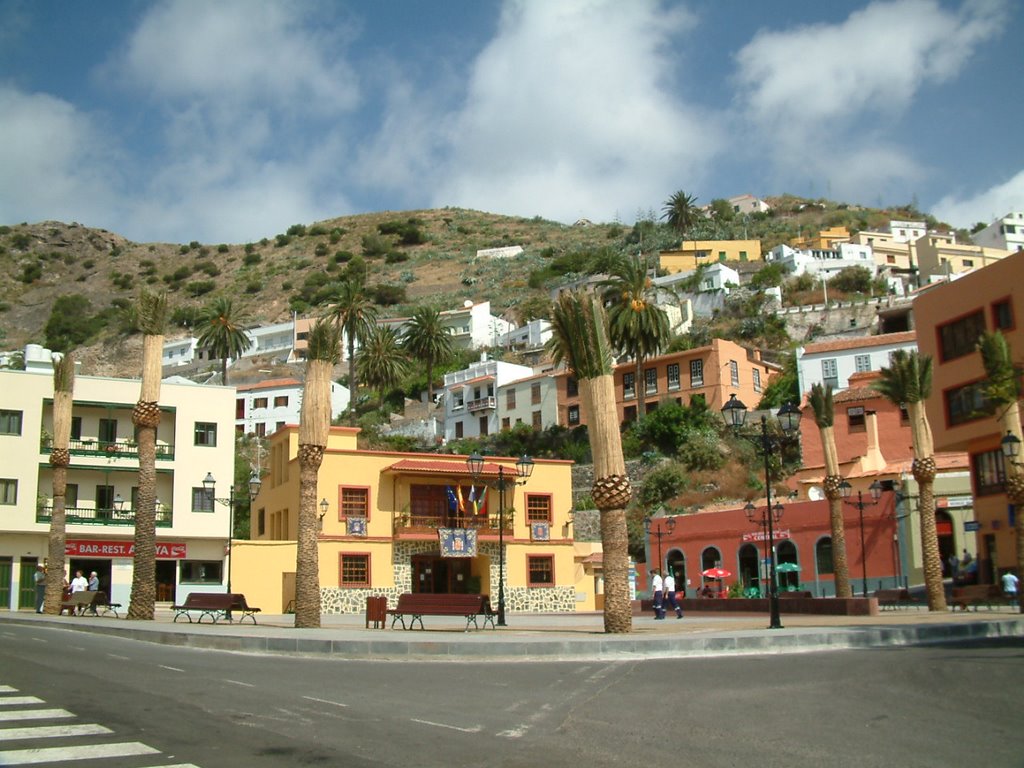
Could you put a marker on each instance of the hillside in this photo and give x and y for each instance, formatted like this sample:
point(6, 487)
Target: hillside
point(421, 257)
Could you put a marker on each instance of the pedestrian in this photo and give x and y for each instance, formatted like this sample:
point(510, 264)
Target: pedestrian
point(1010, 585)
point(40, 580)
point(954, 565)
point(94, 586)
point(658, 593)
point(79, 583)
point(670, 594)
point(966, 558)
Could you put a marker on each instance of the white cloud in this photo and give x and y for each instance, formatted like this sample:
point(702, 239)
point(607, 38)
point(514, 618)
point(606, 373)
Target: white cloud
point(985, 206)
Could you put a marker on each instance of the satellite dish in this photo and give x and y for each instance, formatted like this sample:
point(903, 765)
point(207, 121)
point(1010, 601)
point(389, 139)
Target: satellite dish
point(814, 493)
point(467, 303)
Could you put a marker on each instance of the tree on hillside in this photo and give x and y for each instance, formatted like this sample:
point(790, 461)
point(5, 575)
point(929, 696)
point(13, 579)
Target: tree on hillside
point(681, 212)
point(314, 427)
point(637, 326)
point(221, 333)
point(823, 407)
point(580, 341)
point(908, 382)
point(353, 314)
point(152, 321)
point(382, 362)
point(427, 338)
point(60, 459)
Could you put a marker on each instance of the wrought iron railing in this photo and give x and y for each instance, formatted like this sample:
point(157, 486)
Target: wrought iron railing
point(113, 449)
point(409, 523)
point(481, 404)
point(93, 516)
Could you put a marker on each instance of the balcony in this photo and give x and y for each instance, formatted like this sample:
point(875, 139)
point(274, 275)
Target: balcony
point(481, 404)
point(93, 516)
point(116, 449)
point(408, 523)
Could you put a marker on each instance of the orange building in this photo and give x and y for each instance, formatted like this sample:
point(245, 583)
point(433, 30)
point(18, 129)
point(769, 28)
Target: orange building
point(949, 319)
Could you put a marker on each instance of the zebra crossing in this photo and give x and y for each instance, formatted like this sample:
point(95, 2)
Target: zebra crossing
point(31, 734)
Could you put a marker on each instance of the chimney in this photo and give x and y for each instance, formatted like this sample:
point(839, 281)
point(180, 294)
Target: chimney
point(873, 458)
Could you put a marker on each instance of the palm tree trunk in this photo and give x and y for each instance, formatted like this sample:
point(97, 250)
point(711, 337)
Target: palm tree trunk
point(641, 388)
point(924, 470)
point(307, 568)
point(611, 493)
point(60, 458)
point(840, 564)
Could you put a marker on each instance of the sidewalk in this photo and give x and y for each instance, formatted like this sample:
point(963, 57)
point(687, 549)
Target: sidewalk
point(553, 637)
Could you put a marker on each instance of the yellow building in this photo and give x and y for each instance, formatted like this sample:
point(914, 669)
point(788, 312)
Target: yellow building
point(939, 256)
point(890, 253)
point(825, 240)
point(693, 253)
point(410, 522)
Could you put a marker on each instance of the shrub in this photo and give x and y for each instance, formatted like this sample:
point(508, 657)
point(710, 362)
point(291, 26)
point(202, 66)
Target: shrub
point(200, 287)
point(388, 295)
point(375, 245)
point(20, 241)
point(31, 272)
point(183, 250)
point(251, 258)
point(395, 257)
point(281, 241)
point(296, 230)
point(321, 249)
point(194, 245)
point(249, 247)
point(222, 248)
point(662, 484)
point(340, 257)
point(317, 230)
point(253, 288)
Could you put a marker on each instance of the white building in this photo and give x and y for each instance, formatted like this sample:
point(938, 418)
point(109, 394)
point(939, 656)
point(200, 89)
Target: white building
point(1006, 233)
point(195, 437)
point(471, 397)
point(833, 362)
point(824, 264)
point(263, 408)
point(534, 335)
point(532, 401)
point(748, 204)
point(907, 231)
point(471, 327)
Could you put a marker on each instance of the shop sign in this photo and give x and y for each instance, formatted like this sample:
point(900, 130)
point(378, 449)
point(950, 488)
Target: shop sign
point(972, 525)
point(763, 536)
point(92, 548)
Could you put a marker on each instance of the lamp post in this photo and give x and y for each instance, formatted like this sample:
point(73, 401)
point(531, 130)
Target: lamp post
point(668, 525)
point(735, 413)
point(876, 493)
point(1010, 446)
point(524, 468)
point(210, 485)
point(769, 516)
point(324, 505)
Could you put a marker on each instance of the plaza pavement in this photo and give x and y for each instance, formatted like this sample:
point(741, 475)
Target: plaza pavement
point(554, 637)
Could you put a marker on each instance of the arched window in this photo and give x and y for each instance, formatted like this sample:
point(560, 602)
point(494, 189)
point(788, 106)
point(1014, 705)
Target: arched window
point(710, 558)
point(823, 555)
point(677, 567)
point(750, 572)
point(789, 577)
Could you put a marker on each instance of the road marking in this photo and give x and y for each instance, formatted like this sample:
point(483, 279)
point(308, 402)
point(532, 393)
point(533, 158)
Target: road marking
point(116, 656)
point(39, 640)
point(7, 689)
point(52, 731)
point(176, 765)
point(85, 752)
point(514, 733)
point(173, 669)
point(33, 714)
point(474, 729)
point(9, 700)
point(239, 682)
point(325, 701)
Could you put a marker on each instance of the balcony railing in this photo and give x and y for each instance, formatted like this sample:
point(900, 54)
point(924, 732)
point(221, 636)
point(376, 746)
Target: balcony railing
point(115, 449)
point(93, 516)
point(408, 523)
point(481, 404)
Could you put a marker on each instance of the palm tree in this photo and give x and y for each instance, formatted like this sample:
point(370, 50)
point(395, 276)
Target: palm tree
point(637, 326)
point(681, 211)
point(908, 382)
point(580, 340)
point(821, 403)
point(222, 333)
point(152, 321)
point(314, 428)
point(60, 458)
point(382, 363)
point(1003, 392)
point(354, 314)
point(427, 338)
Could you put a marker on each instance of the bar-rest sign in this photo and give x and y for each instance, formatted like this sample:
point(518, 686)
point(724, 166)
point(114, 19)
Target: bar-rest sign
point(165, 550)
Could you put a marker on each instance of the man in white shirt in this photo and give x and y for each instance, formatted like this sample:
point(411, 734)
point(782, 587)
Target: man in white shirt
point(79, 583)
point(658, 593)
point(1010, 585)
point(670, 595)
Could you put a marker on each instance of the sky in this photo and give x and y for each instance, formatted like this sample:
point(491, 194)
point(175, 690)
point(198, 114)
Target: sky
point(229, 121)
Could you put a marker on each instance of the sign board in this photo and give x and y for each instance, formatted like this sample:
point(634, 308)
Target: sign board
point(972, 525)
point(762, 536)
point(165, 550)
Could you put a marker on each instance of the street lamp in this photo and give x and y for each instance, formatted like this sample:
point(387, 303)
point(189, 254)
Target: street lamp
point(324, 504)
point(666, 527)
point(524, 468)
point(735, 413)
point(1010, 446)
point(209, 485)
point(876, 493)
point(768, 516)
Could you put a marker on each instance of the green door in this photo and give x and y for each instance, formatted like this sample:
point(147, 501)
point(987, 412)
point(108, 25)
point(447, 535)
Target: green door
point(5, 582)
point(27, 584)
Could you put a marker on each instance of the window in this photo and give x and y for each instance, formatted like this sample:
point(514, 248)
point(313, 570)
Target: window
point(8, 491)
point(958, 338)
point(965, 403)
point(734, 373)
point(261, 522)
point(538, 508)
point(628, 385)
point(967, 263)
point(989, 472)
point(206, 434)
point(10, 422)
point(696, 373)
point(572, 387)
point(574, 415)
point(104, 497)
point(823, 555)
point(757, 379)
point(862, 363)
point(538, 421)
point(281, 401)
point(240, 408)
point(904, 416)
point(202, 499)
point(201, 571)
point(354, 502)
point(830, 373)
point(651, 381)
point(354, 570)
point(506, 422)
point(535, 394)
point(279, 425)
point(261, 430)
point(259, 402)
point(108, 430)
point(541, 570)
point(71, 496)
point(629, 413)
point(673, 376)
point(510, 399)
point(76, 427)
point(458, 429)
point(1002, 315)
point(855, 419)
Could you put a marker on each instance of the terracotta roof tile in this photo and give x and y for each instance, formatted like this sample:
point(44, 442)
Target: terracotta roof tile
point(270, 384)
point(903, 337)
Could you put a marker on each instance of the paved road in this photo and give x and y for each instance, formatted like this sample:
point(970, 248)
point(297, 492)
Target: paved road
point(948, 705)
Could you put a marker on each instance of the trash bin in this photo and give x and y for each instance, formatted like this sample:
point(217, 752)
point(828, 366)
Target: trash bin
point(376, 611)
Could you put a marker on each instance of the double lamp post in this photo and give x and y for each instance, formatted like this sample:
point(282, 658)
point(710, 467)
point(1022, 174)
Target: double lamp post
point(210, 485)
point(876, 493)
point(664, 528)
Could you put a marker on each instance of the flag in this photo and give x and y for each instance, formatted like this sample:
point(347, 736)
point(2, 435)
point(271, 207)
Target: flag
point(453, 503)
point(472, 497)
point(482, 502)
point(462, 504)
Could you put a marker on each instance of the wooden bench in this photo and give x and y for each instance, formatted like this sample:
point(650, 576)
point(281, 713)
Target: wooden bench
point(80, 602)
point(894, 598)
point(419, 604)
point(215, 605)
point(975, 595)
